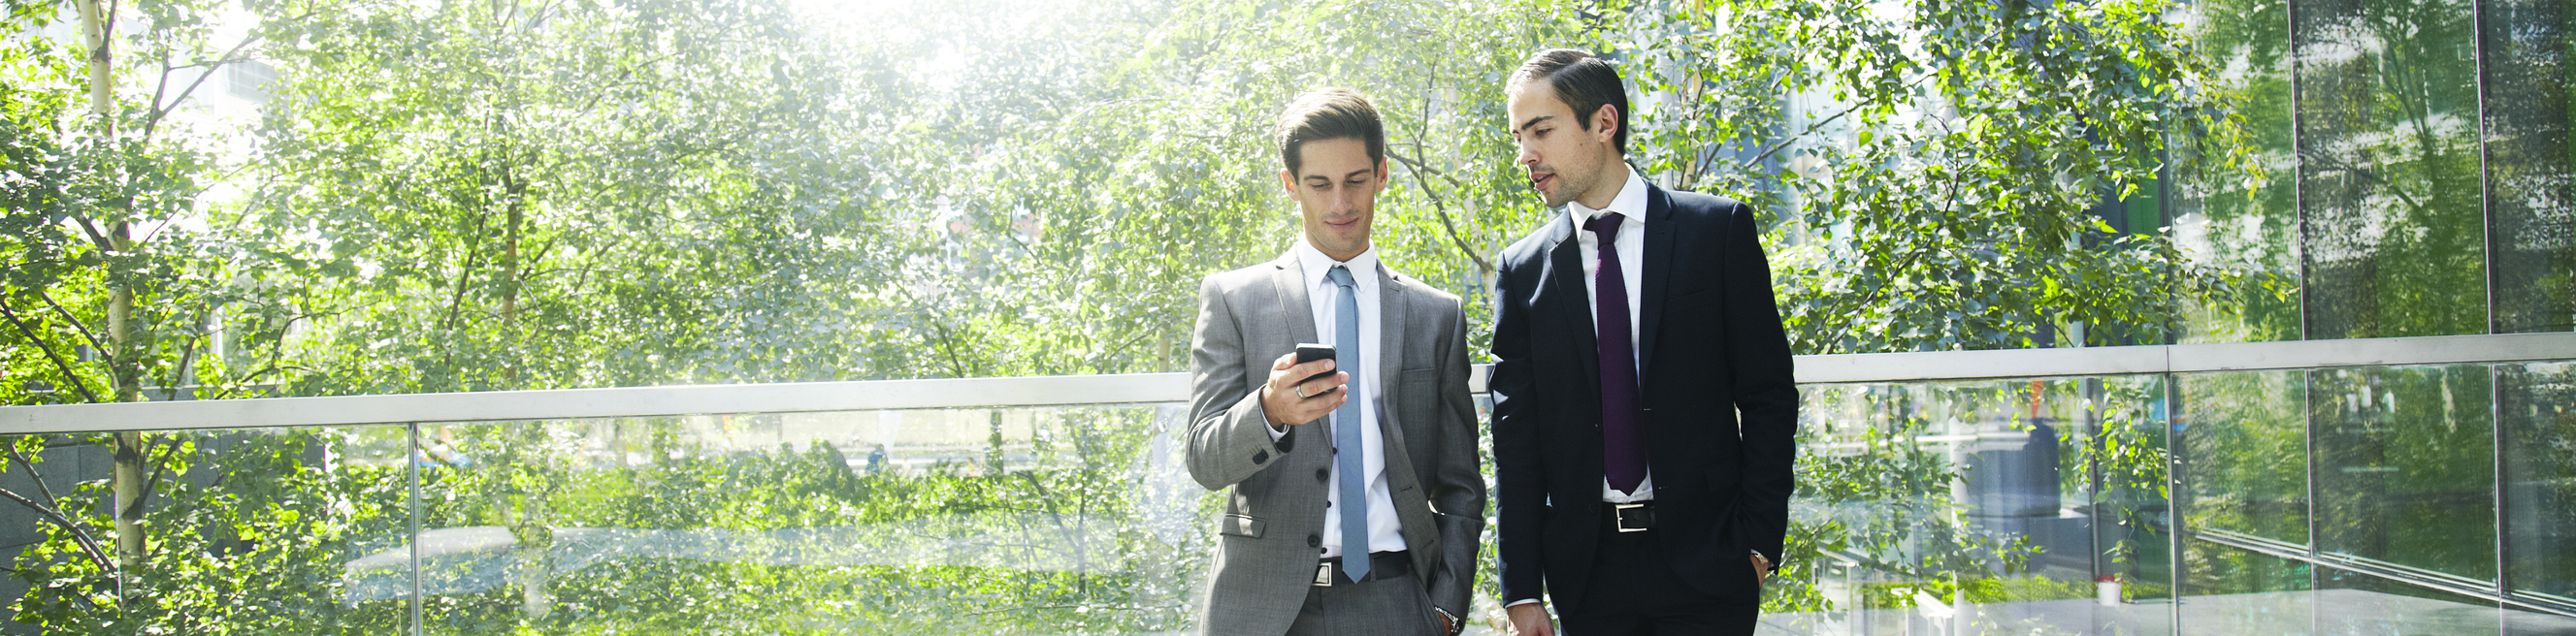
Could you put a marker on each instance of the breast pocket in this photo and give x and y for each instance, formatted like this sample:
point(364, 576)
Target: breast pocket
point(1240, 525)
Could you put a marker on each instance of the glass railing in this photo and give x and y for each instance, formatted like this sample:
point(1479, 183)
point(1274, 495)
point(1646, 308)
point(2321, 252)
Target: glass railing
point(2393, 486)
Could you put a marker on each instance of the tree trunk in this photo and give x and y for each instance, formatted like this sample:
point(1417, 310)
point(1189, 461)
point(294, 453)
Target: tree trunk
point(102, 76)
point(510, 268)
point(124, 359)
point(129, 476)
point(535, 549)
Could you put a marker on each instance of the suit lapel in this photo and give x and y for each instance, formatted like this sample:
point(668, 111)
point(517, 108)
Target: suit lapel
point(1565, 265)
point(1394, 318)
point(1289, 280)
point(1391, 321)
point(1658, 266)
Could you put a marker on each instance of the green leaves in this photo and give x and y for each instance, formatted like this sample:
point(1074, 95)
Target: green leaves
point(1935, 156)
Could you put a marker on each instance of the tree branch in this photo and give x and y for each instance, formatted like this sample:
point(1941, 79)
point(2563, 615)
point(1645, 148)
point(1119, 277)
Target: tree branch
point(230, 56)
point(160, 467)
point(1437, 205)
point(66, 367)
point(39, 476)
point(1811, 128)
point(95, 237)
point(75, 322)
point(87, 545)
point(1417, 164)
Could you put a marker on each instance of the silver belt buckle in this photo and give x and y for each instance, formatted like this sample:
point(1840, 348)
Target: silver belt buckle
point(1619, 516)
point(1324, 574)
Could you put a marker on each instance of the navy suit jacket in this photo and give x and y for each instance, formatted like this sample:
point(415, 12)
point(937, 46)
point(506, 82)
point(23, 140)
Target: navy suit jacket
point(1720, 400)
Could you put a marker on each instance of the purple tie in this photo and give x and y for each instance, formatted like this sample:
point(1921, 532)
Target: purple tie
point(1623, 442)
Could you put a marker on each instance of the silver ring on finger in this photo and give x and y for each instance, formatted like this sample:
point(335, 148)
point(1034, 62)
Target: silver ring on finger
point(1301, 393)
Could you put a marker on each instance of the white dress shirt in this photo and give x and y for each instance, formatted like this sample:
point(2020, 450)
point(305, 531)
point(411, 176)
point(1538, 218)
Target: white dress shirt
point(1386, 532)
point(1630, 203)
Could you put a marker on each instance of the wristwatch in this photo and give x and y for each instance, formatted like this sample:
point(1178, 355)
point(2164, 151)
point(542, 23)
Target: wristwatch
point(1455, 625)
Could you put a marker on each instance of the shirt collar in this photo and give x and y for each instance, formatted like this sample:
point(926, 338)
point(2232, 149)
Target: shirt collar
point(1631, 203)
point(1316, 265)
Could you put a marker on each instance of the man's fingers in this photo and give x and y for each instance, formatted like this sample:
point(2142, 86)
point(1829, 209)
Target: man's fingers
point(1529, 620)
point(1319, 388)
point(1287, 371)
point(1302, 371)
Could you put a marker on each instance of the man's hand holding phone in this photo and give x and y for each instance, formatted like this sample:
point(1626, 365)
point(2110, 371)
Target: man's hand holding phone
point(1303, 387)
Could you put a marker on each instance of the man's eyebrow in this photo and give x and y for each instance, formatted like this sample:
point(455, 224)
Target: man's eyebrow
point(1356, 173)
point(1533, 121)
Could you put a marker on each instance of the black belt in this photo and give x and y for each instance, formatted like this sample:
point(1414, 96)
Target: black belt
point(1382, 565)
point(1628, 517)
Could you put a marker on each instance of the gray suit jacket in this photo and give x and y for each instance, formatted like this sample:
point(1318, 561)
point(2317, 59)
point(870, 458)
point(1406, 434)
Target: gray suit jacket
point(1273, 524)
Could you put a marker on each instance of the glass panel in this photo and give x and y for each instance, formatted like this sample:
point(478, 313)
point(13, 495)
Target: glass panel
point(1002, 521)
point(1975, 507)
point(2527, 623)
point(2531, 167)
point(2405, 466)
point(2245, 466)
point(2244, 440)
point(2238, 591)
point(2389, 182)
point(293, 530)
point(2351, 603)
point(2537, 403)
point(2222, 221)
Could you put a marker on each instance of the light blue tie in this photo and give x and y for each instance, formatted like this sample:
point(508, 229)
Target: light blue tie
point(1347, 453)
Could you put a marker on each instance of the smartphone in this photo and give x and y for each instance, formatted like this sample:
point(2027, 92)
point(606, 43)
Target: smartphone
point(1310, 352)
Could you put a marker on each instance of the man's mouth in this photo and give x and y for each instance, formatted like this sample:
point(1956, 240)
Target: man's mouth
point(1540, 181)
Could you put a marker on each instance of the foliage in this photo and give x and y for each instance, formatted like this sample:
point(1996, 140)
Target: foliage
point(1939, 169)
point(1874, 494)
point(520, 195)
point(249, 530)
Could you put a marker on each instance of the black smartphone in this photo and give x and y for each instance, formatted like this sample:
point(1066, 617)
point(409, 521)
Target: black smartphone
point(1310, 352)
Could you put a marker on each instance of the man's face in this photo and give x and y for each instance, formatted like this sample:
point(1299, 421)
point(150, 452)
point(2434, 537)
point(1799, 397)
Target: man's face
point(1336, 190)
point(1565, 161)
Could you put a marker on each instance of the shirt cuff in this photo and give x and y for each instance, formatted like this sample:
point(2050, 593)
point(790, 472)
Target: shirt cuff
point(1276, 431)
point(1521, 602)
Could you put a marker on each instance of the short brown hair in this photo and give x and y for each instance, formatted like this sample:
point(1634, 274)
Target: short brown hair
point(1581, 80)
point(1330, 113)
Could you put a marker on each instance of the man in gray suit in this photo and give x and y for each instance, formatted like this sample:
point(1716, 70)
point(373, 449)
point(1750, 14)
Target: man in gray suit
point(1356, 501)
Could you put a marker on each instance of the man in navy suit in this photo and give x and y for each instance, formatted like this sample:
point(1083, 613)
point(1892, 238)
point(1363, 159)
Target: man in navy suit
point(1644, 407)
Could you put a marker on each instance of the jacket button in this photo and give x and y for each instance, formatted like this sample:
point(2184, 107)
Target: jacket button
point(1260, 456)
point(1313, 541)
point(1323, 474)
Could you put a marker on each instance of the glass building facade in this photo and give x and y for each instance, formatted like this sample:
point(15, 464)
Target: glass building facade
point(2420, 177)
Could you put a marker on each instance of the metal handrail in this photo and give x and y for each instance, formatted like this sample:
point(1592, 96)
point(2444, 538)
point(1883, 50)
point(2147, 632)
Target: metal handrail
point(2481, 589)
point(1144, 388)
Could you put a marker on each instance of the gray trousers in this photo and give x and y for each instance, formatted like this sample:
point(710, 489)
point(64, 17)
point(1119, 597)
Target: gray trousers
point(1393, 606)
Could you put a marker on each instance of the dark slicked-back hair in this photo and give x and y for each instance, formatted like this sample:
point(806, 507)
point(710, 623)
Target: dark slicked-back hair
point(1330, 113)
point(1581, 80)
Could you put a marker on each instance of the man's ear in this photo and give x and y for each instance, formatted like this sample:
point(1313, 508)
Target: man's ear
point(1382, 174)
point(1288, 182)
point(1605, 122)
